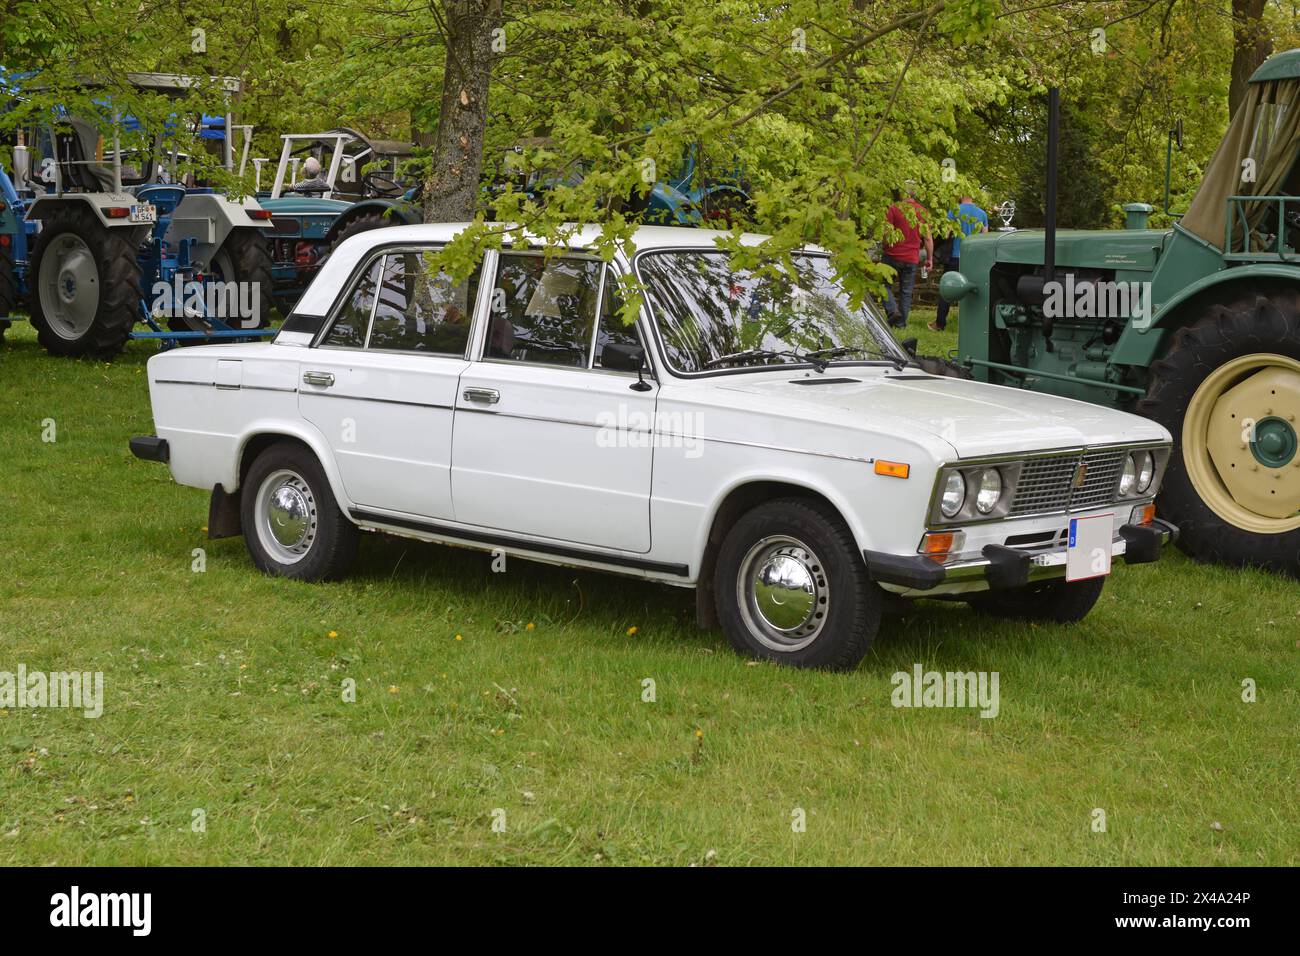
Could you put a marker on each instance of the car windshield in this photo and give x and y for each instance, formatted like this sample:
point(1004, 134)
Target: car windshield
point(711, 316)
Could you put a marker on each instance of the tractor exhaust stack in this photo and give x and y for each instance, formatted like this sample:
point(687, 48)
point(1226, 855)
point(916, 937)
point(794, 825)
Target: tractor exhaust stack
point(1049, 214)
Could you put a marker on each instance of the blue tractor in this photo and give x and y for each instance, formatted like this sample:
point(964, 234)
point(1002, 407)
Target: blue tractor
point(104, 241)
point(359, 185)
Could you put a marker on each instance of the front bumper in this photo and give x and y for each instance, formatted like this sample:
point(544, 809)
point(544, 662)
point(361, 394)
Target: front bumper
point(1000, 568)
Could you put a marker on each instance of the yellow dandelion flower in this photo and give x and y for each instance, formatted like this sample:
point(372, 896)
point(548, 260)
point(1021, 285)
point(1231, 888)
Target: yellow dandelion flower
point(392, 688)
point(334, 634)
point(531, 626)
point(631, 630)
point(459, 638)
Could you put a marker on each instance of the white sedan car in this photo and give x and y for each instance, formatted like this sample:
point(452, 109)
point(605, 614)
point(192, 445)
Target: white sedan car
point(750, 436)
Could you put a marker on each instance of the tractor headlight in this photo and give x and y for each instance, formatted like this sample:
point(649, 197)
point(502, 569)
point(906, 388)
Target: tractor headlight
point(954, 495)
point(1146, 471)
point(989, 490)
point(1128, 479)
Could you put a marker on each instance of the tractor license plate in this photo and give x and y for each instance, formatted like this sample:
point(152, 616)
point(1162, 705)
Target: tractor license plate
point(1089, 551)
point(144, 212)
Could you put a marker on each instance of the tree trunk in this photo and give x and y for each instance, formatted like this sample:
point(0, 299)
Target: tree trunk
point(451, 193)
point(1251, 46)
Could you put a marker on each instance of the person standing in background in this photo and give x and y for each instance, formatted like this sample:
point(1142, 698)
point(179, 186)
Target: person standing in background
point(904, 255)
point(971, 219)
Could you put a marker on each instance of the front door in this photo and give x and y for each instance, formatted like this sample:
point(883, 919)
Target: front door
point(547, 442)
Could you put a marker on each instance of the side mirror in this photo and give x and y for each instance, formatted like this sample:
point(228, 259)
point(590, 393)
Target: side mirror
point(909, 345)
point(626, 358)
point(623, 358)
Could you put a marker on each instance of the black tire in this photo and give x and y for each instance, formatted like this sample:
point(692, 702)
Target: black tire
point(1267, 322)
point(363, 223)
point(845, 605)
point(244, 257)
point(328, 544)
point(1057, 602)
point(8, 284)
point(116, 278)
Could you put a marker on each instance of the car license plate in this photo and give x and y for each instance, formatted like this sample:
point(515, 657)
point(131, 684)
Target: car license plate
point(144, 212)
point(1089, 551)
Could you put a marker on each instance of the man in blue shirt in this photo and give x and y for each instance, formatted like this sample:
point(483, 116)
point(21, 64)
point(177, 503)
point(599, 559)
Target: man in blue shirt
point(971, 219)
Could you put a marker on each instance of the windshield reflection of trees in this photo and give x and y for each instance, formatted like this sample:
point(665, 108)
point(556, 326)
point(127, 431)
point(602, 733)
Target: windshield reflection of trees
point(705, 310)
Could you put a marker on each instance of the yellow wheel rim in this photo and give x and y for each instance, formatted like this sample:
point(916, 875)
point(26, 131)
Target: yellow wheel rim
point(1240, 445)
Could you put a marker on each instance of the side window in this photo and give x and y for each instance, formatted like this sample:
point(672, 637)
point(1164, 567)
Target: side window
point(543, 311)
point(349, 328)
point(420, 309)
point(612, 329)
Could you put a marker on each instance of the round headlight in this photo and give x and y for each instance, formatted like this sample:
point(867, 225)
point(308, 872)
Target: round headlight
point(990, 491)
point(954, 495)
point(1146, 471)
point(1128, 480)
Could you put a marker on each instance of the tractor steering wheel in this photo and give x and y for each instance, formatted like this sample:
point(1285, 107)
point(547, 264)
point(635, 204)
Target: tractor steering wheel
point(381, 186)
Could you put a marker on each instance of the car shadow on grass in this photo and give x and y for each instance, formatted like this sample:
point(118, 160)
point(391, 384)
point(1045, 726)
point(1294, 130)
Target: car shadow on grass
point(932, 631)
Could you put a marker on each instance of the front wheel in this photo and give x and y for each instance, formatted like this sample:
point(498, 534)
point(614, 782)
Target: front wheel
point(1229, 391)
point(792, 588)
point(292, 524)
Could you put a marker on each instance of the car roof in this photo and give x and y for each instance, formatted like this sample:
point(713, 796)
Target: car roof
point(320, 295)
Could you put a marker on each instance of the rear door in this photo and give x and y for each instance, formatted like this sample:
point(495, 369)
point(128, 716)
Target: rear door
point(381, 383)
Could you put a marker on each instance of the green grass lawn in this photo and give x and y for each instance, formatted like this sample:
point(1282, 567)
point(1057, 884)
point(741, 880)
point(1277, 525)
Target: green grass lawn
point(522, 692)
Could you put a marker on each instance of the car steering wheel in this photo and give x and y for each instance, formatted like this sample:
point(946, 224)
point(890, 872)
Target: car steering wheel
point(380, 185)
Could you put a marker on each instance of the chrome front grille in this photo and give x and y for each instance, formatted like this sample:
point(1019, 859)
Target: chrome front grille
point(1046, 485)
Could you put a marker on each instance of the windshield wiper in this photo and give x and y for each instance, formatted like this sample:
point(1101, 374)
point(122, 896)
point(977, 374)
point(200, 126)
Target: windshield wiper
point(842, 350)
point(813, 359)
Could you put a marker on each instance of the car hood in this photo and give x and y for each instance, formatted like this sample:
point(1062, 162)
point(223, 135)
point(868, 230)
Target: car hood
point(975, 418)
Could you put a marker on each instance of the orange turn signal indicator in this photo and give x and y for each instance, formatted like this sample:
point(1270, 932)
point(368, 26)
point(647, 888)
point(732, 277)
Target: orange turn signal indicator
point(937, 545)
point(892, 469)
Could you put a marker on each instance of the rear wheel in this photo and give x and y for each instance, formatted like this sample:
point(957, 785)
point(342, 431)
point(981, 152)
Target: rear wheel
point(792, 588)
point(356, 227)
point(244, 258)
point(1059, 602)
point(1229, 391)
point(85, 286)
point(292, 524)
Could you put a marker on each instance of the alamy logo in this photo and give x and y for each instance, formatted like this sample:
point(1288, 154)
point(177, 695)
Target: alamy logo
point(103, 909)
point(213, 299)
point(631, 428)
point(68, 689)
point(1103, 299)
point(952, 689)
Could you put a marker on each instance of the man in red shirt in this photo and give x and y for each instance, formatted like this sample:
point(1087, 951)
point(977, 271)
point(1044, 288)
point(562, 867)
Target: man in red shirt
point(903, 255)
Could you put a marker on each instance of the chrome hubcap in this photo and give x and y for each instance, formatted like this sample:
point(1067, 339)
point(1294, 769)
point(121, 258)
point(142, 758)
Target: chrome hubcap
point(68, 285)
point(783, 593)
point(287, 518)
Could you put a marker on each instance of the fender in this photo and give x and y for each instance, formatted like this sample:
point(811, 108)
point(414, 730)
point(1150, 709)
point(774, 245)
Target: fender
point(302, 430)
point(394, 212)
point(785, 476)
point(1141, 347)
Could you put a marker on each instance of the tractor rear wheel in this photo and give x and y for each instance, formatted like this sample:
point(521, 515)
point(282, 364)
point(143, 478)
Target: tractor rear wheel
point(1228, 390)
point(8, 284)
point(245, 258)
point(85, 283)
point(359, 225)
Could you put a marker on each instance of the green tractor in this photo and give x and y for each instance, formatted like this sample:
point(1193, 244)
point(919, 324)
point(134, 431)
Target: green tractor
point(1196, 327)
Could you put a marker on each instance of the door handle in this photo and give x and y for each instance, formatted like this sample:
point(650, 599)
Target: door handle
point(325, 379)
point(488, 395)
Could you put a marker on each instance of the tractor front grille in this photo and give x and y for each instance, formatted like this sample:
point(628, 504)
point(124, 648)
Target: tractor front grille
point(1047, 485)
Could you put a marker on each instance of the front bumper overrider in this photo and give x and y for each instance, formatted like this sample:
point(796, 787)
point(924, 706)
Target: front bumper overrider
point(1000, 568)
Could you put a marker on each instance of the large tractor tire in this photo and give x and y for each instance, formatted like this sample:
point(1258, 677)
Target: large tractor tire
point(85, 286)
point(245, 257)
point(1228, 390)
point(359, 225)
point(8, 284)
